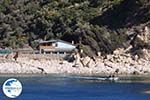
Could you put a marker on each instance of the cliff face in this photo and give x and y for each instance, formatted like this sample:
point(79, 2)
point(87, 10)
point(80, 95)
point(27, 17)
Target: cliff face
point(94, 25)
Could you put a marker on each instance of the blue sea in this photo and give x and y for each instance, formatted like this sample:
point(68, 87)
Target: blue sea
point(57, 87)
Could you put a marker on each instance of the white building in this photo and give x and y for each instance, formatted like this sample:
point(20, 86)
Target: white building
point(56, 46)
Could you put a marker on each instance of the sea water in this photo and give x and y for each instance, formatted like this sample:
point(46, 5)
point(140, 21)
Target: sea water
point(53, 87)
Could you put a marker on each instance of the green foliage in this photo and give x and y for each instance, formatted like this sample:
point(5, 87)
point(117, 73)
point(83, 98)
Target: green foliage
point(24, 21)
point(116, 1)
point(2, 8)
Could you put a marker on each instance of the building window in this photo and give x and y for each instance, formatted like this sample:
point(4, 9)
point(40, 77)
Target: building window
point(61, 52)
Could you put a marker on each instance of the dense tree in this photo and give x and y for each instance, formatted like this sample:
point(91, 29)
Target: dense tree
point(84, 21)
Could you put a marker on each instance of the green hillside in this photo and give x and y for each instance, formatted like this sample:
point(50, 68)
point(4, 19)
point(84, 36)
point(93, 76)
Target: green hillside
point(94, 25)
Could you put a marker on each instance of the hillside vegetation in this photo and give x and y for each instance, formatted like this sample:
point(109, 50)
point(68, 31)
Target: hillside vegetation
point(94, 25)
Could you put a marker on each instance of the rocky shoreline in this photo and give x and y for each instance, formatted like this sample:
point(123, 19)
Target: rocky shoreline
point(119, 63)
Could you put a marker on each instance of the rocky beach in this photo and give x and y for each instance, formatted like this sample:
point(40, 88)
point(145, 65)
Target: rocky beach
point(119, 63)
point(123, 61)
point(114, 36)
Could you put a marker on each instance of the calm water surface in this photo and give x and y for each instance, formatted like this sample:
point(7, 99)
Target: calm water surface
point(76, 88)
